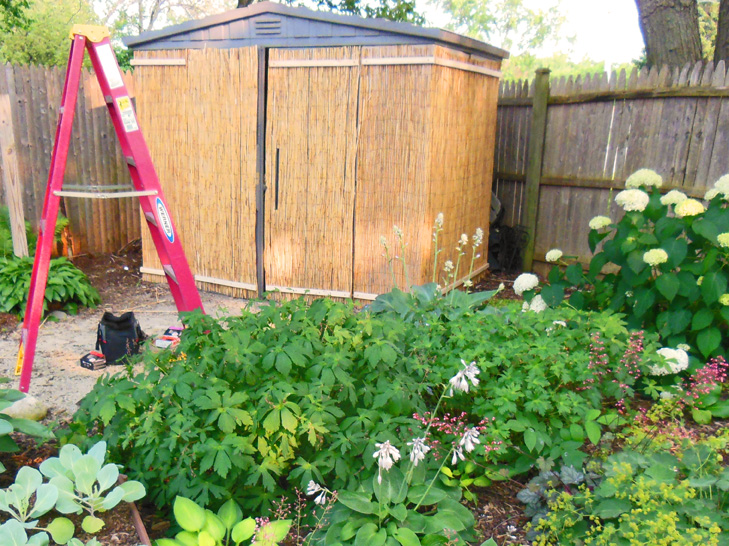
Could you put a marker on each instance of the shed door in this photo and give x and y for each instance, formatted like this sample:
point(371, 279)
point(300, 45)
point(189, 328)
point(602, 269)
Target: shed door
point(310, 164)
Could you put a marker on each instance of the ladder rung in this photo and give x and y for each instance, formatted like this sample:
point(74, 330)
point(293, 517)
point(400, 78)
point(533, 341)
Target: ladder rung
point(150, 218)
point(170, 272)
point(108, 99)
point(130, 161)
point(104, 195)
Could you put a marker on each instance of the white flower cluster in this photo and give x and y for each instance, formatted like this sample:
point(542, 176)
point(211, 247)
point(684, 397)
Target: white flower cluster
point(467, 443)
point(632, 200)
point(677, 360)
point(418, 450)
point(478, 238)
point(655, 256)
point(459, 382)
point(689, 207)
point(439, 221)
point(673, 197)
point(386, 456)
point(448, 266)
point(314, 488)
point(723, 240)
point(644, 177)
point(525, 282)
point(463, 241)
point(721, 187)
point(553, 255)
point(599, 222)
point(537, 305)
point(398, 232)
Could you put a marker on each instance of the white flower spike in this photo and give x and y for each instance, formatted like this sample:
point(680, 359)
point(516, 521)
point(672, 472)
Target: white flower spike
point(418, 450)
point(469, 440)
point(386, 456)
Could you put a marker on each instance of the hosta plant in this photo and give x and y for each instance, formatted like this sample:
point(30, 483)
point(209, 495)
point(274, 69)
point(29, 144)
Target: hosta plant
point(663, 265)
point(67, 285)
point(85, 484)
point(201, 527)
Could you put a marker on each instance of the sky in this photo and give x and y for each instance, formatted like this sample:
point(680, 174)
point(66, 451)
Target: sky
point(603, 30)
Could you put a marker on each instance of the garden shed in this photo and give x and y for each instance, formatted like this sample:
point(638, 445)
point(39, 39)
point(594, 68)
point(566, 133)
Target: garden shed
point(288, 141)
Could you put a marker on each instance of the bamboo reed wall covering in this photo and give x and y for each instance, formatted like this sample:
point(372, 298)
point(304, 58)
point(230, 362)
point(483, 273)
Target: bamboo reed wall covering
point(358, 139)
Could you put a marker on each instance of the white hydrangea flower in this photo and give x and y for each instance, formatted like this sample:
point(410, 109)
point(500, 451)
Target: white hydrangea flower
point(677, 359)
point(655, 256)
point(723, 240)
point(599, 222)
point(537, 304)
point(632, 200)
point(469, 440)
point(673, 197)
point(689, 207)
point(644, 177)
point(723, 184)
point(418, 450)
point(553, 255)
point(525, 282)
point(710, 194)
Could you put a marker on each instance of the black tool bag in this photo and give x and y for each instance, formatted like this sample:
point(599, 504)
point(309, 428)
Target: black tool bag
point(118, 337)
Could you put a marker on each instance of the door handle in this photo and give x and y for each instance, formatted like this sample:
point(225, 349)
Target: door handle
point(278, 158)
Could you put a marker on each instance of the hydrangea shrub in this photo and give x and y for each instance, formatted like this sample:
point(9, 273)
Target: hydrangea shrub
point(666, 264)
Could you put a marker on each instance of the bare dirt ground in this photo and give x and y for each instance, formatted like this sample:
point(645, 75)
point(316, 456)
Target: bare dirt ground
point(58, 379)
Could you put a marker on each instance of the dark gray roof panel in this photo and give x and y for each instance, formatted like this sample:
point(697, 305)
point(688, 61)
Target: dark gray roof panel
point(276, 25)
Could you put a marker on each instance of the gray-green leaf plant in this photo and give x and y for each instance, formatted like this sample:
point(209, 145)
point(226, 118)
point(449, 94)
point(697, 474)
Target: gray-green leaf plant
point(17, 500)
point(84, 484)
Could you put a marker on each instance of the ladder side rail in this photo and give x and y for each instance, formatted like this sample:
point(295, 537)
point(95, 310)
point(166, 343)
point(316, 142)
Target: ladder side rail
point(144, 178)
point(49, 216)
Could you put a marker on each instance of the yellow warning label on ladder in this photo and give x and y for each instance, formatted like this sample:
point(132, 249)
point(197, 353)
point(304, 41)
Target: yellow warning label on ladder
point(19, 363)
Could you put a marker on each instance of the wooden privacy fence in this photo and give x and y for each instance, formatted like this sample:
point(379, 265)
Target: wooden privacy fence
point(563, 151)
point(33, 94)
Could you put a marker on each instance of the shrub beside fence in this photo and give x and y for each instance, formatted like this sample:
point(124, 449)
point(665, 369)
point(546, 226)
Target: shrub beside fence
point(597, 131)
point(94, 158)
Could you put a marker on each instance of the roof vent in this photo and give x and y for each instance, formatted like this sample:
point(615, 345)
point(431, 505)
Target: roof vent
point(268, 27)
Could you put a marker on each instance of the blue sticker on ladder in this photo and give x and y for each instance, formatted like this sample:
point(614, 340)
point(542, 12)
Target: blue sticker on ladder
point(164, 221)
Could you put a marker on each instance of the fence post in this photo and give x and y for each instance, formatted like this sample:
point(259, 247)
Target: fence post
point(11, 179)
point(534, 161)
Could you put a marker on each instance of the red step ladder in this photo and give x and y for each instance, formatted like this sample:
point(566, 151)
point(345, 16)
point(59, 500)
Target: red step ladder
point(146, 186)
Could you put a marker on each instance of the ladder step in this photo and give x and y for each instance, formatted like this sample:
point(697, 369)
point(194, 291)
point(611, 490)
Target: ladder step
point(104, 195)
point(130, 161)
point(170, 272)
point(150, 218)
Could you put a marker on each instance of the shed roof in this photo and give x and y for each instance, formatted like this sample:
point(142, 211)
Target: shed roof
point(277, 25)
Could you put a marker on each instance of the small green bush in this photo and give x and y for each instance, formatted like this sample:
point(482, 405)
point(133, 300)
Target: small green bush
point(67, 285)
point(666, 264)
point(251, 406)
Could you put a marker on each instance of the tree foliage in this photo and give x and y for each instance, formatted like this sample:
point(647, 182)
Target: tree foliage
point(43, 38)
point(13, 14)
point(511, 24)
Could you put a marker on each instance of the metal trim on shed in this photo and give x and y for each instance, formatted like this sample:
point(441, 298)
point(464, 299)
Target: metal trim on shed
point(271, 24)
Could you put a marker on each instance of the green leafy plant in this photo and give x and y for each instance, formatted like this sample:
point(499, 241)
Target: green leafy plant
point(25, 501)
point(642, 498)
point(662, 264)
point(67, 285)
point(201, 527)
point(11, 424)
point(6, 238)
point(84, 484)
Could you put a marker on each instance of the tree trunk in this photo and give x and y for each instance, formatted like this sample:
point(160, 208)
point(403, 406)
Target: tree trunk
point(670, 31)
point(721, 51)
